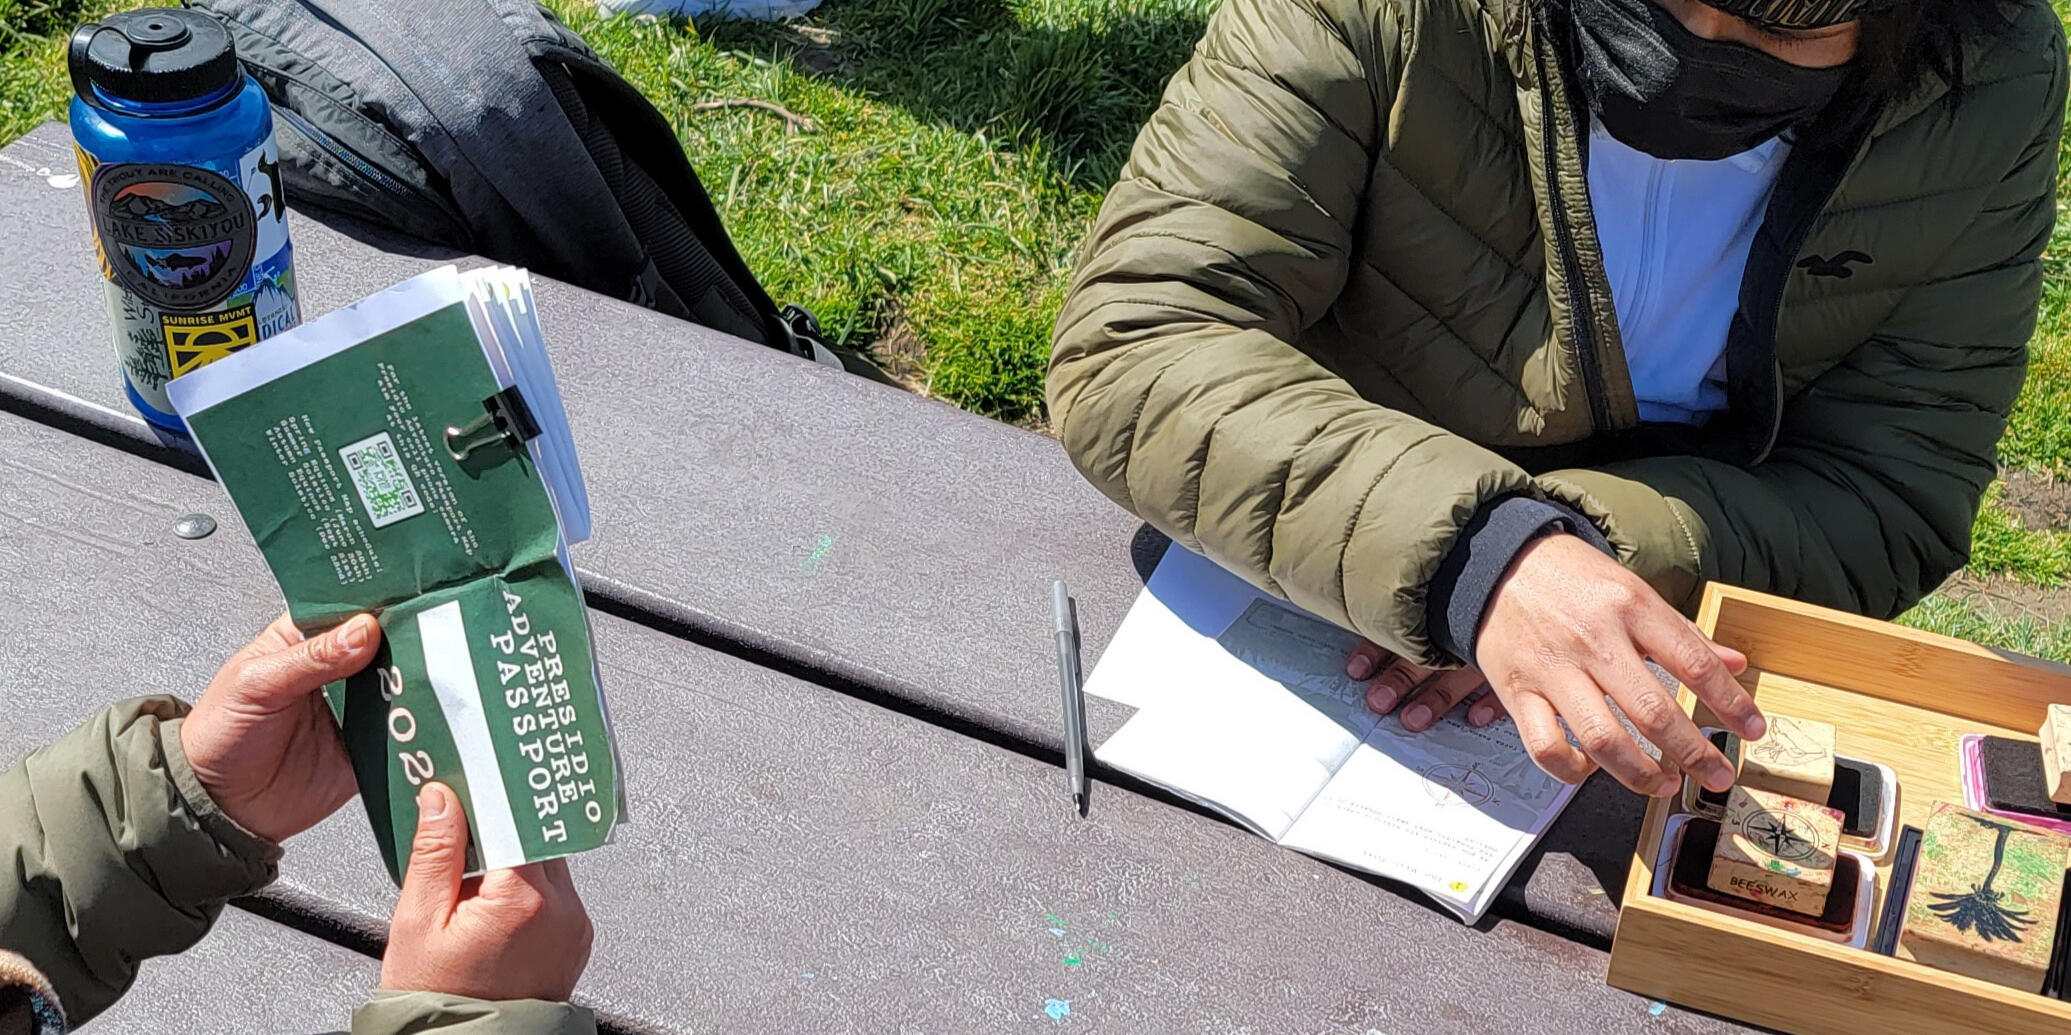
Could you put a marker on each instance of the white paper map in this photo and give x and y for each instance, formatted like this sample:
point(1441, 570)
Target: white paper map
point(1244, 705)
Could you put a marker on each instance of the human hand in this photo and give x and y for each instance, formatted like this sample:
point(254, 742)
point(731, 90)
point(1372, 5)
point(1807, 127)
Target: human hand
point(1568, 626)
point(508, 934)
point(1425, 695)
point(261, 739)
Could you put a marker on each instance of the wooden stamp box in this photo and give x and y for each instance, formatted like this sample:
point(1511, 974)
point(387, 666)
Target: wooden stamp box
point(1900, 697)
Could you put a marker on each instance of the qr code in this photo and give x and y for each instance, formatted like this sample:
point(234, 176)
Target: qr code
point(381, 480)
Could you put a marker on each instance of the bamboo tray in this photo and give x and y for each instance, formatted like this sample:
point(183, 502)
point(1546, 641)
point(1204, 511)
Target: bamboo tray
point(1897, 696)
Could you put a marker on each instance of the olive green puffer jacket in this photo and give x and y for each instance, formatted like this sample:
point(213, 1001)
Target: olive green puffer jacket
point(1347, 293)
point(112, 853)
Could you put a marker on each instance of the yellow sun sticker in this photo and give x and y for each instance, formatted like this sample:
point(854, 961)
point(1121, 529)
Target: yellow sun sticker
point(198, 339)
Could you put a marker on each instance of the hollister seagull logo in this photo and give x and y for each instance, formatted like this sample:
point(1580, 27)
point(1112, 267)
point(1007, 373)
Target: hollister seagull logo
point(1837, 267)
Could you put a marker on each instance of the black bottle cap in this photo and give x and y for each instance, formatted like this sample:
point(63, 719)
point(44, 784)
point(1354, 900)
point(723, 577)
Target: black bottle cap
point(157, 55)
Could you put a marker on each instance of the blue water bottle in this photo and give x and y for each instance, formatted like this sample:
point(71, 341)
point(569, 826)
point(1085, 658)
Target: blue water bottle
point(183, 190)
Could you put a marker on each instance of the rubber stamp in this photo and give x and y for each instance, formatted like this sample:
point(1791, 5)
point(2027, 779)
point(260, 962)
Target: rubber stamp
point(1795, 759)
point(2056, 753)
point(1986, 896)
point(1858, 790)
point(1691, 869)
point(1776, 850)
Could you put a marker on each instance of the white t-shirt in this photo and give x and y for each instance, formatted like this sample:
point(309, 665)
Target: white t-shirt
point(1675, 237)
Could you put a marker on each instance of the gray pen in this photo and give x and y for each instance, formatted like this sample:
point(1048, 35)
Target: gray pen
point(1070, 683)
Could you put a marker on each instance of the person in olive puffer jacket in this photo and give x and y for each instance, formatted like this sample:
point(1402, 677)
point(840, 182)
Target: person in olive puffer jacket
point(1493, 329)
point(125, 838)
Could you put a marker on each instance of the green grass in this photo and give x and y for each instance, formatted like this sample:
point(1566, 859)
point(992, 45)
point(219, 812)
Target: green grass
point(957, 151)
point(33, 87)
point(2001, 545)
point(959, 148)
point(1992, 626)
point(2038, 435)
point(2038, 439)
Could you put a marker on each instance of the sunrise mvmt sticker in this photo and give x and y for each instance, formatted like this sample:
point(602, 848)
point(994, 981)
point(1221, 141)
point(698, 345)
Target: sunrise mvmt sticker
point(195, 339)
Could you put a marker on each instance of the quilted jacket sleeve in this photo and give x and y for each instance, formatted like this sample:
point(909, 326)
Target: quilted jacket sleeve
point(1174, 384)
point(115, 854)
point(1866, 502)
point(108, 863)
point(430, 1013)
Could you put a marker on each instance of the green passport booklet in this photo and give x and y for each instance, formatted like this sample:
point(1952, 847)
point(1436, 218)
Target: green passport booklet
point(409, 456)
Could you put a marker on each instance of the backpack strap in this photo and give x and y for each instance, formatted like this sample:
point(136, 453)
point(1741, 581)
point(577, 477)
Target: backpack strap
point(497, 130)
point(662, 198)
point(550, 157)
point(634, 127)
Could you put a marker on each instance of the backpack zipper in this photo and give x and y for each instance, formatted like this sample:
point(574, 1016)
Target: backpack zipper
point(364, 168)
point(1578, 303)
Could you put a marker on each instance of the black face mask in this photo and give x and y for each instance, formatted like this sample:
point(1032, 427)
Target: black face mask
point(1662, 89)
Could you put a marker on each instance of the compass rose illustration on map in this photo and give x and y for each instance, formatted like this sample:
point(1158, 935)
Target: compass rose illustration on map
point(1782, 834)
point(1458, 784)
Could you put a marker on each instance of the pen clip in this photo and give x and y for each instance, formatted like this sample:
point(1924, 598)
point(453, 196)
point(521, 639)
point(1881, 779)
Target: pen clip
point(1078, 645)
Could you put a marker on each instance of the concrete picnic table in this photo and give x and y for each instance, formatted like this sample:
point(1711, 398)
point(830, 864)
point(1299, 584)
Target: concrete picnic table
point(822, 616)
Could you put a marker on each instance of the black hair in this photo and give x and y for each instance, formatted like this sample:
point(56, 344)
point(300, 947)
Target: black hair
point(1906, 41)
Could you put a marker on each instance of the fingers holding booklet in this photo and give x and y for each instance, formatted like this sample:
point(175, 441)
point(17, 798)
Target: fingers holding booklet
point(408, 456)
point(514, 934)
point(264, 748)
point(261, 742)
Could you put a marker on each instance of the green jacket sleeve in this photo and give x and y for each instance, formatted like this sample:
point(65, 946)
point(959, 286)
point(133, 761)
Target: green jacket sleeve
point(1866, 502)
point(407, 1013)
point(115, 854)
point(1174, 383)
point(121, 855)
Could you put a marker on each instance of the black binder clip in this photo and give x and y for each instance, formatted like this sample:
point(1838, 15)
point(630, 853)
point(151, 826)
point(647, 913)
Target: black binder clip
point(505, 419)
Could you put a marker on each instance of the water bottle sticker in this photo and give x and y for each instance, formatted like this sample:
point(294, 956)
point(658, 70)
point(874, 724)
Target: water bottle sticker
point(87, 164)
point(259, 171)
point(197, 339)
point(179, 237)
point(197, 260)
point(273, 294)
point(141, 343)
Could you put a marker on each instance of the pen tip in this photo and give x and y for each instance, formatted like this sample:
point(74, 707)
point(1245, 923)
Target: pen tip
point(1080, 801)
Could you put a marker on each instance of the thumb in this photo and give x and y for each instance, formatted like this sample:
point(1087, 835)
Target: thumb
point(438, 858)
point(300, 670)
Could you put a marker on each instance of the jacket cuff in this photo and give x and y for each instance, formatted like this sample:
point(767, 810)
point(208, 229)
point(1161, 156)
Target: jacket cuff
point(27, 1003)
point(398, 1013)
point(257, 854)
point(1459, 593)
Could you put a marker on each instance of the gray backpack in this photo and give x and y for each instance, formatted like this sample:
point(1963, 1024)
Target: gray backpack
point(491, 127)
